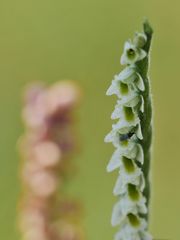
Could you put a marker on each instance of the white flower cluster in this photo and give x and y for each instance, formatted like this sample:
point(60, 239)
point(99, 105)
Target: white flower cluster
point(125, 136)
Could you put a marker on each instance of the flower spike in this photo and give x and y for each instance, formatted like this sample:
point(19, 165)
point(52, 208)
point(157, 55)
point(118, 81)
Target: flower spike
point(131, 137)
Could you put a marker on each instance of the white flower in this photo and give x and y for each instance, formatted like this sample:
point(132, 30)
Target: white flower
point(126, 113)
point(132, 54)
point(128, 120)
point(129, 151)
point(131, 100)
point(128, 75)
point(126, 84)
point(120, 158)
point(126, 207)
point(134, 177)
point(123, 140)
point(122, 87)
point(125, 147)
point(128, 233)
point(117, 136)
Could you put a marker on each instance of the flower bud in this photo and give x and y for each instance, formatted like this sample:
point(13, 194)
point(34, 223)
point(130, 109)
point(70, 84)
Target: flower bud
point(140, 40)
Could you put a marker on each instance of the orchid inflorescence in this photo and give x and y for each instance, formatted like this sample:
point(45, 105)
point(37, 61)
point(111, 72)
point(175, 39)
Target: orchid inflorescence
point(131, 137)
point(46, 146)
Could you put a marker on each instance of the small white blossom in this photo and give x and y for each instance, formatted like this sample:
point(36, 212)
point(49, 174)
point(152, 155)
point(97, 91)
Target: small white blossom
point(130, 150)
point(125, 206)
point(124, 125)
point(131, 100)
point(128, 75)
point(125, 113)
point(122, 141)
point(132, 54)
point(126, 85)
point(114, 136)
point(120, 88)
point(128, 233)
point(125, 178)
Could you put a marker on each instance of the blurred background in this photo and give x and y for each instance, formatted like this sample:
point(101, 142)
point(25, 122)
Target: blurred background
point(83, 40)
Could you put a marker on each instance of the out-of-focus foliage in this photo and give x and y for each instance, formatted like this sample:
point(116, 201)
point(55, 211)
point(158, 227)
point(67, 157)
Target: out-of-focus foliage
point(82, 40)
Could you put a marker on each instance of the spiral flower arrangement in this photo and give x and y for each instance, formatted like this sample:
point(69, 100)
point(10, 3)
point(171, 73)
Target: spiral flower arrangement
point(46, 146)
point(131, 137)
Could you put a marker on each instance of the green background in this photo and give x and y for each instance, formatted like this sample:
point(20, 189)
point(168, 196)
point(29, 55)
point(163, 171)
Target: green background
point(83, 40)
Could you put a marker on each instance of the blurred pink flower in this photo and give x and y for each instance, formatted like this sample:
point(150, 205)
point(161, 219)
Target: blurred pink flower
point(48, 137)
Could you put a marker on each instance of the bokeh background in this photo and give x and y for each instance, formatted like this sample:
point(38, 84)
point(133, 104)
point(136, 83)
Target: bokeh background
point(83, 40)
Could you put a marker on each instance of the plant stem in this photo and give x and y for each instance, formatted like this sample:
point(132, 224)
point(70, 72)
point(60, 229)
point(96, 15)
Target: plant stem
point(146, 117)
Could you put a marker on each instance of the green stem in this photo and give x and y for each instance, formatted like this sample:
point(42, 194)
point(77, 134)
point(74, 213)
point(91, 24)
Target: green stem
point(146, 117)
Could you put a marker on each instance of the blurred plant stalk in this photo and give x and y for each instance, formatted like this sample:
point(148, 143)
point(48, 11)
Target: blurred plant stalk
point(46, 148)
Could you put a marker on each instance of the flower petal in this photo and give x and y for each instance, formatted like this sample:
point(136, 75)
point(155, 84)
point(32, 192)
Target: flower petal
point(140, 83)
point(139, 132)
point(113, 89)
point(132, 54)
point(115, 161)
point(128, 75)
point(140, 154)
point(142, 104)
